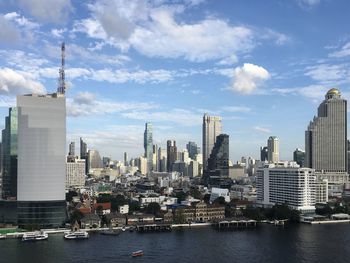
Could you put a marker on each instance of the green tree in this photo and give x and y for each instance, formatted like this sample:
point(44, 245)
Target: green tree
point(133, 207)
point(180, 217)
point(195, 193)
point(75, 216)
point(220, 200)
point(181, 196)
point(153, 208)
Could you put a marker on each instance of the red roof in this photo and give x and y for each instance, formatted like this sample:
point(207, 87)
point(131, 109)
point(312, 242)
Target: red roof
point(85, 210)
point(105, 206)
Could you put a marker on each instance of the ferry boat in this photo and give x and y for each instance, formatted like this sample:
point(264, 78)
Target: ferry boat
point(35, 236)
point(2, 236)
point(76, 235)
point(138, 253)
point(110, 232)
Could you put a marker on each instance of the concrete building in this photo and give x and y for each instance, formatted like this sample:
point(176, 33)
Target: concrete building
point(236, 171)
point(193, 169)
point(192, 149)
point(321, 188)
point(326, 141)
point(71, 149)
point(148, 145)
point(212, 127)
point(219, 192)
point(41, 160)
point(126, 159)
point(273, 149)
point(75, 173)
point(142, 165)
point(263, 153)
point(287, 184)
point(162, 160)
point(94, 160)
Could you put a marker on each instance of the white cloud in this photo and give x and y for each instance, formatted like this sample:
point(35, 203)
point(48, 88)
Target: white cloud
point(86, 104)
point(280, 39)
point(8, 33)
point(262, 129)
point(58, 33)
point(247, 78)
point(178, 116)
point(314, 92)
point(328, 74)
point(344, 52)
point(21, 21)
point(49, 11)
point(308, 4)
point(7, 101)
point(13, 82)
point(242, 109)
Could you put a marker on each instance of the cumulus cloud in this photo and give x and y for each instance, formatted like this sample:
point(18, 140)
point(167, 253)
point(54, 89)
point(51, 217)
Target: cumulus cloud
point(8, 33)
point(13, 82)
point(247, 78)
point(48, 11)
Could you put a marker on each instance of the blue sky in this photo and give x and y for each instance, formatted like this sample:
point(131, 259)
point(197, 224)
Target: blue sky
point(264, 66)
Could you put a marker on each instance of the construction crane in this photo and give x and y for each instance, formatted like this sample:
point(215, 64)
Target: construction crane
point(61, 80)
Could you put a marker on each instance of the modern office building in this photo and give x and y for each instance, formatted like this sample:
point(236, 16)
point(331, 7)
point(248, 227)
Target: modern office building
point(218, 162)
point(287, 184)
point(83, 149)
point(9, 156)
point(94, 160)
point(162, 160)
point(212, 127)
point(75, 173)
point(41, 160)
point(126, 159)
point(171, 154)
point(192, 149)
point(273, 149)
point(155, 158)
point(148, 145)
point(326, 141)
point(71, 149)
point(263, 153)
point(299, 157)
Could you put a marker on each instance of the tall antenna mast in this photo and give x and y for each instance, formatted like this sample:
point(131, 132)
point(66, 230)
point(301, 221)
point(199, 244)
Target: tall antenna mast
point(61, 81)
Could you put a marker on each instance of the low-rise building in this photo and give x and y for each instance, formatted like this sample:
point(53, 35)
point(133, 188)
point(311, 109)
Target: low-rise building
point(115, 220)
point(90, 221)
point(200, 212)
point(123, 209)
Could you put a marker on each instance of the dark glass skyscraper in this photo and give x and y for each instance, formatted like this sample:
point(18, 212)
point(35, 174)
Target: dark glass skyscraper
point(171, 154)
point(263, 153)
point(299, 157)
point(9, 155)
point(192, 149)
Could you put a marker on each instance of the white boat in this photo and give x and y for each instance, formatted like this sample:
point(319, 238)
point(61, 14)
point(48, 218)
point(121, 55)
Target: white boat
point(35, 236)
point(76, 235)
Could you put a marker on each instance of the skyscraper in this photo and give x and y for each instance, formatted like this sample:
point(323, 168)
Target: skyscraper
point(148, 145)
point(126, 162)
point(171, 154)
point(83, 149)
point(273, 151)
point(9, 155)
point(192, 149)
point(218, 162)
point(263, 153)
point(299, 157)
point(94, 159)
point(71, 149)
point(211, 129)
point(41, 160)
point(326, 140)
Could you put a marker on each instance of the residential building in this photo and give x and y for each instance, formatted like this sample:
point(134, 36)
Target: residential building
point(287, 184)
point(75, 173)
point(71, 149)
point(192, 149)
point(299, 157)
point(264, 153)
point(171, 154)
point(219, 192)
point(94, 160)
point(321, 188)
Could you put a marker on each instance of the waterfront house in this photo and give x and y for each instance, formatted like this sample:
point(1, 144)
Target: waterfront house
point(90, 221)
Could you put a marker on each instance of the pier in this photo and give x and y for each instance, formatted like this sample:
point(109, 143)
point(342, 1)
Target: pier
point(235, 224)
point(159, 227)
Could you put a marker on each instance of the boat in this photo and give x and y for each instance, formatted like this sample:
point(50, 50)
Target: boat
point(2, 236)
point(138, 253)
point(35, 236)
point(76, 235)
point(123, 229)
point(110, 232)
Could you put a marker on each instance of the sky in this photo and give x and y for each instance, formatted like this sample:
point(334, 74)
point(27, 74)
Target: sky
point(263, 66)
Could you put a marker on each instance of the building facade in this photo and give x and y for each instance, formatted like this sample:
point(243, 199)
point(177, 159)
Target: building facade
point(263, 153)
point(273, 149)
point(171, 154)
point(289, 185)
point(192, 149)
point(148, 145)
point(75, 173)
point(41, 160)
point(212, 127)
point(326, 141)
point(299, 157)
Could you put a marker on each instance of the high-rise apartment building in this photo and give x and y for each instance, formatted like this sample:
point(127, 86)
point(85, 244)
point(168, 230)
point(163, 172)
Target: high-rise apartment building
point(171, 154)
point(41, 160)
point(192, 149)
point(83, 149)
point(148, 145)
point(126, 159)
point(94, 160)
point(273, 149)
point(287, 184)
point(211, 129)
point(71, 149)
point(75, 173)
point(326, 141)
point(9, 155)
point(299, 157)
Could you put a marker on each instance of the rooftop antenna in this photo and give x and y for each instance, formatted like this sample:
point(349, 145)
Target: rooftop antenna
point(61, 81)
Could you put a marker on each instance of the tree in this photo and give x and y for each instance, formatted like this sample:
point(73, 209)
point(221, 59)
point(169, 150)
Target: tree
point(195, 193)
point(206, 198)
point(99, 210)
point(181, 196)
point(133, 206)
point(220, 200)
point(180, 217)
point(153, 208)
point(70, 195)
point(76, 216)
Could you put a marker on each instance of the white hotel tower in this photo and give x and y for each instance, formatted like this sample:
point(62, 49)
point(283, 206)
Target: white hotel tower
point(41, 159)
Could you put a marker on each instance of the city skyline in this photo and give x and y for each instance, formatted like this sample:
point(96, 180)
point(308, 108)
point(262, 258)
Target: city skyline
point(118, 78)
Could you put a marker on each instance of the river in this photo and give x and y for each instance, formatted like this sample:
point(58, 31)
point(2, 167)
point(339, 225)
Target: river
point(266, 243)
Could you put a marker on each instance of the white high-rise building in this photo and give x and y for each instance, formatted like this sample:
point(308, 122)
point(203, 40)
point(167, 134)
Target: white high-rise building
point(273, 151)
point(75, 173)
point(212, 127)
point(41, 159)
point(287, 184)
